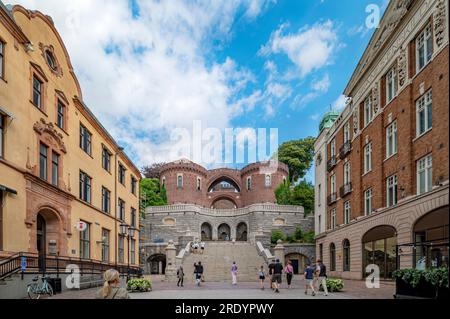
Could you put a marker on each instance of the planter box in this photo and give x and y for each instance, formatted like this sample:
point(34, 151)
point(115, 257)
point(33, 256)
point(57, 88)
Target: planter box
point(423, 290)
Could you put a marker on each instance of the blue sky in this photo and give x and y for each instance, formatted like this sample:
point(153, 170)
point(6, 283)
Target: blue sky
point(156, 66)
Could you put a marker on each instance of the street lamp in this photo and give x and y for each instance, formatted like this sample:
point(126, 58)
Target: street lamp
point(128, 232)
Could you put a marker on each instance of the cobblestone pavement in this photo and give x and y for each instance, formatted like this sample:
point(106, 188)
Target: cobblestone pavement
point(162, 290)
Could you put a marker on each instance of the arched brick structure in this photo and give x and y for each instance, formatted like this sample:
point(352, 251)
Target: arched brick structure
point(202, 187)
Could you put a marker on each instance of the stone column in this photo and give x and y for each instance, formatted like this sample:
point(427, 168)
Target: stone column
point(279, 251)
point(171, 271)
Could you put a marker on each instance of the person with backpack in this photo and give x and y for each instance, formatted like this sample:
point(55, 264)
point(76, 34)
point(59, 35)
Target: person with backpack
point(180, 275)
point(271, 265)
point(289, 270)
point(321, 273)
point(309, 278)
point(234, 271)
point(276, 277)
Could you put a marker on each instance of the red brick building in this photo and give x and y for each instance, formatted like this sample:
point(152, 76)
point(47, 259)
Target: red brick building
point(387, 154)
point(190, 183)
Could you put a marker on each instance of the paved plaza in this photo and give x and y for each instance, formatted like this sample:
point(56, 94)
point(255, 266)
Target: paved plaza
point(163, 290)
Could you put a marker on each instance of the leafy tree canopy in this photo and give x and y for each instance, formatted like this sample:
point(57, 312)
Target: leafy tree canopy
point(152, 193)
point(152, 171)
point(300, 195)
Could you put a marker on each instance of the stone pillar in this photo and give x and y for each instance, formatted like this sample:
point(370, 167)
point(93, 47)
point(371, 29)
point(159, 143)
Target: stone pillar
point(279, 251)
point(215, 233)
point(171, 271)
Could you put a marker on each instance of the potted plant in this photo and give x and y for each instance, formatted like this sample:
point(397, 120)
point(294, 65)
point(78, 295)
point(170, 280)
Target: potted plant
point(139, 285)
point(429, 283)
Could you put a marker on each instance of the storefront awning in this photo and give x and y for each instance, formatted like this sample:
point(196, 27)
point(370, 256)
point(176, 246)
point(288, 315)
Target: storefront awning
point(7, 189)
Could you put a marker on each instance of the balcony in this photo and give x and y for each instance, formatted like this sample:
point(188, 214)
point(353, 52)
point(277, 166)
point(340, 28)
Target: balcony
point(346, 189)
point(331, 163)
point(345, 149)
point(332, 199)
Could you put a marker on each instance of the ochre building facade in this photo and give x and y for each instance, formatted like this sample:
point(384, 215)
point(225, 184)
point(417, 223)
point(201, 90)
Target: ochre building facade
point(58, 164)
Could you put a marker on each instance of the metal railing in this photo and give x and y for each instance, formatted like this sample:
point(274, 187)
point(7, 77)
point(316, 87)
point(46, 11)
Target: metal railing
point(332, 199)
point(345, 149)
point(331, 163)
point(346, 189)
point(36, 264)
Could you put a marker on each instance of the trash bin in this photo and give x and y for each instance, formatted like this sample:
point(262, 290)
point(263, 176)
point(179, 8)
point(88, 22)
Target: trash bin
point(56, 285)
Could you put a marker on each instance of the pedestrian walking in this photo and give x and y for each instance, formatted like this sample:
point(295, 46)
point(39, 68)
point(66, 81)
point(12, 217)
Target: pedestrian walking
point(321, 272)
point(202, 247)
point(309, 278)
point(262, 277)
point(289, 270)
point(180, 275)
point(271, 265)
point(199, 274)
point(111, 288)
point(277, 273)
point(234, 272)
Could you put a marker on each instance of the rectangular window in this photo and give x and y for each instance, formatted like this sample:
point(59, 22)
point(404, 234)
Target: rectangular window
point(424, 113)
point(424, 48)
point(391, 191)
point(105, 245)
point(2, 135)
point(347, 132)
point(268, 180)
point(106, 200)
point(319, 194)
point(106, 159)
point(347, 213)
point(424, 175)
point(133, 185)
point(367, 158)
point(320, 224)
point(133, 252)
point(333, 184)
point(85, 187)
point(133, 217)
point(85, 140)
point(180, 181)
point(347, 173)
point(2, 60)
point(122, 171)
point(61, 121)
point(55, 168)
point(391, 85)
point(333, 148)
point(85, 243)
point(368, 202)
point(121, 250)
point(249, 183)
point(368, 110)
point(43, 162)
point(333, 218)
point(37, 92)
point(391, 140)
point(121, 210)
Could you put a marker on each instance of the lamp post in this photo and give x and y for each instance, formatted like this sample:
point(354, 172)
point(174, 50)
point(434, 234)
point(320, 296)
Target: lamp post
point(128, 232)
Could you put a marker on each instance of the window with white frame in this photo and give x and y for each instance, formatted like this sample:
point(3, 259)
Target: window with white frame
point(391, 140)
point(347, 213)
point(180, 181)
point(368, 202)
point(347, 132)
point(347, 173)
point(424, 113)
point(333, 218)
point(368, 110)
point(367, 158)
point(391, 191)
point(268, 180)
point(424, 48)
point(333, 148)
point(391, 85)
point(424, 174)
point(333, 184)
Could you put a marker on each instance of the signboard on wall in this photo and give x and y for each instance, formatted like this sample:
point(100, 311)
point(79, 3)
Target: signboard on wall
point(81, 226)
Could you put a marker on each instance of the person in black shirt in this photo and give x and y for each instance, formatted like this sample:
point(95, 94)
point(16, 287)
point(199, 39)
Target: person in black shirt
point(199, 273)
point(277, 272)
point(271, 265)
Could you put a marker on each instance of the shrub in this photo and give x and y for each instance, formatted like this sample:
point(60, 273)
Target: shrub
point(438, 277)
point(277, 235)
point(142, 285)
point(334, 285)
point(309, 237)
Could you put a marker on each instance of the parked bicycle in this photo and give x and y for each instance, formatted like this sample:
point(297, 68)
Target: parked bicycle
point(35, 290)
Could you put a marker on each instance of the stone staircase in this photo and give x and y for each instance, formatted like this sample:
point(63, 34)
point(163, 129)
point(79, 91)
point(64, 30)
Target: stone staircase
point(218, 258)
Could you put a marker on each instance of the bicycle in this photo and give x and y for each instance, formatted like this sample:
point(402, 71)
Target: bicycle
point(35, 291)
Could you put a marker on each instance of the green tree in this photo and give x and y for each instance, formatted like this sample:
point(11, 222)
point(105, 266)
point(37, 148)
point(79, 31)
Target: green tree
point(303, 195)
point(298, 156)
point(283, 194)
point(152, 193)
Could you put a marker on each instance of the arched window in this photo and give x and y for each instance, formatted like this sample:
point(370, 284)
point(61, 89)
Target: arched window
point(332, 257)
point(346, 253)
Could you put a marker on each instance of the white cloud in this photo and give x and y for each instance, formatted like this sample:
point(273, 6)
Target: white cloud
point(318, 87)
point(311, 48)
point(156, 76)
point(340, 103)
point(322, 85)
